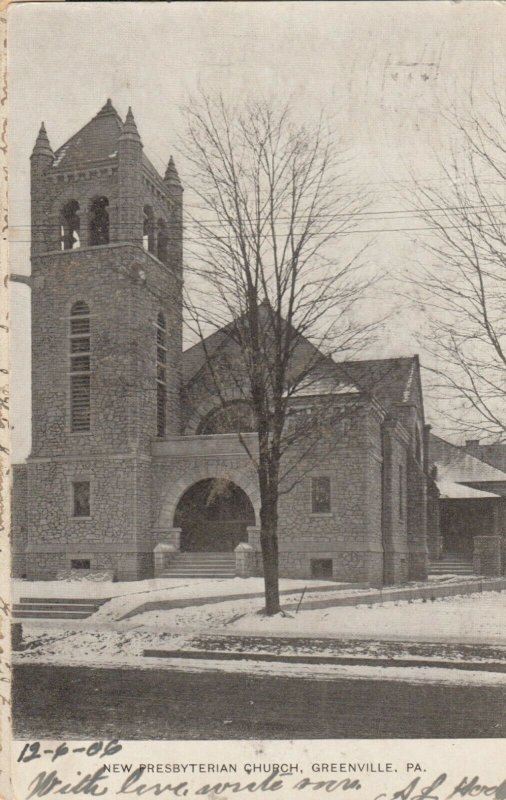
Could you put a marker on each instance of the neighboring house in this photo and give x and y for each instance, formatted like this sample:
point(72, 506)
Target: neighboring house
point(472, 507)
point(493, 454)
point(135, 465)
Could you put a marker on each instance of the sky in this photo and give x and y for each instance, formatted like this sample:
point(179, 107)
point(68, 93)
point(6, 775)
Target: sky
point(384, 72)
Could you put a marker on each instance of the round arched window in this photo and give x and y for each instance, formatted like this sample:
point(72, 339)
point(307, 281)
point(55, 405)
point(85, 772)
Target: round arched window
point(235, 417)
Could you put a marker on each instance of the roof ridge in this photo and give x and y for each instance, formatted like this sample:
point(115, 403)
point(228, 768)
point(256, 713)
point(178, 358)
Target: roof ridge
point(411, 358)
point(105, 111)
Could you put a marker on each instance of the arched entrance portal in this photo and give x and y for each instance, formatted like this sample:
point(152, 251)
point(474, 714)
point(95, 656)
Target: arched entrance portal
point(213, 515)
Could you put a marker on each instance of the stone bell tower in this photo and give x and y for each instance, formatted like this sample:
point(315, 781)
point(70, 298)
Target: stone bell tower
point(106, 346)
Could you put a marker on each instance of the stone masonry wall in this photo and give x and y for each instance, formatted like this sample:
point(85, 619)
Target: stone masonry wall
point(395, 504)
point(350, 535)
point(19, 519)
point(125, 288)
point(109, 537)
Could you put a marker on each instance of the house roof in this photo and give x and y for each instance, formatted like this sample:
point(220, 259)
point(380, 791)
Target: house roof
point(457, 491)
point(455, 465)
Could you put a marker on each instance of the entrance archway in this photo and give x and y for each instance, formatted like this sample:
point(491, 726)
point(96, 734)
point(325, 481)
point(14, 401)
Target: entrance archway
point(214, 515)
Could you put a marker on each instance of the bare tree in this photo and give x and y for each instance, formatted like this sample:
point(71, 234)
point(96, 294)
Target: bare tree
point(272, 273)
point(462, 285)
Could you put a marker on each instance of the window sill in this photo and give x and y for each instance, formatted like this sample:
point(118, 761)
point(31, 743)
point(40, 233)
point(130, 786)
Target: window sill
point(81, 519)
point(321, 514)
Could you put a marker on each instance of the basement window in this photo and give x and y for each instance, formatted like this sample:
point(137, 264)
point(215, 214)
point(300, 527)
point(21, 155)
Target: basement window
point(80, 563)
point(321, 568)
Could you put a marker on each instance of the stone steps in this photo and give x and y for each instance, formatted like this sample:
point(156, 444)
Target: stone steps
point(56, 607)
point(201, 565)
point(453, 565)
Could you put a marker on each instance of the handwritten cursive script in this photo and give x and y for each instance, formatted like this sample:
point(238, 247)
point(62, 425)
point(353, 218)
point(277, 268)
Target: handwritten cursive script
point(102, 782)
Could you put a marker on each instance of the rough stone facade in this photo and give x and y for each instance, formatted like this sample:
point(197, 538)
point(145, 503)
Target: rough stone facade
point(375, 529)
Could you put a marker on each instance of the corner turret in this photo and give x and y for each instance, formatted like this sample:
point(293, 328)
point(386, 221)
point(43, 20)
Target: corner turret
point(171, 178)
point(130, 128)
point(130, 224)
point(41, 161)
point(42, 149)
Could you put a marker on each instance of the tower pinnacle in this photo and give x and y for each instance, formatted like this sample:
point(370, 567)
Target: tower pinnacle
point(42, 146)
point(130, 128)
point(171, 176)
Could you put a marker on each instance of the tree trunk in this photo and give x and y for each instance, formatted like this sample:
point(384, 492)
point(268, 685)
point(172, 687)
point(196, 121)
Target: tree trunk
point(269, 543)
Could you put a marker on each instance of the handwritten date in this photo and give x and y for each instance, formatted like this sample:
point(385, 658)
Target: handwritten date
point(33, 750)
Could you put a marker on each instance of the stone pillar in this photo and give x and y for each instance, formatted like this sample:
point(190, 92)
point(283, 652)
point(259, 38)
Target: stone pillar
point(254, 541)
point(170, 536)
point(16, 636)
point(487, 555)
point(164, 553)
point(434, 542)
point(417, 521)
point(387, 524)
point(244, 560)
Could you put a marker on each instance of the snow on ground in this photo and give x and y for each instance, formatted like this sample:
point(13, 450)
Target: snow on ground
point(102, 649)
point(478, 617)
point(127, 596)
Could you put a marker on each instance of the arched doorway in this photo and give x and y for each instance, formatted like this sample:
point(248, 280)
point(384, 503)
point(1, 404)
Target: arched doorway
point(213, 515)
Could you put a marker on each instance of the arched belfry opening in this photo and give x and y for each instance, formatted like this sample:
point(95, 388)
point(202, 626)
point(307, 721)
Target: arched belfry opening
point(148, 229)
point(162, 240)
point(214, 515)
point(70, 226)
point(99, 221)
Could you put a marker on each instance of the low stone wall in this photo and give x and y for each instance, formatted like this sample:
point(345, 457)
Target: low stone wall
point(410, 593)
point(487, 555)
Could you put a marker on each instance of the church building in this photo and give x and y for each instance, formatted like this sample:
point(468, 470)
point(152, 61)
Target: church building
point(135, 468)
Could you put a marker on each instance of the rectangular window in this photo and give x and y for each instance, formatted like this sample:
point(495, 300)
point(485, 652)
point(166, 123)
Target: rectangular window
point(81, 499)
point(161, 375)
point(80, 402)
point(320, 495)
point(80, 368)
point(161, 399)
point(401, 492)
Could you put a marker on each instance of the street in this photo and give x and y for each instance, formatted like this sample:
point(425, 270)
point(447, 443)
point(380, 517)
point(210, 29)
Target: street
point(85, 703)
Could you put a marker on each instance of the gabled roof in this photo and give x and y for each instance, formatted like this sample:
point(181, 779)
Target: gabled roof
point(97, 141)
point(455, 465)
point(392, 381)
point(195, 357)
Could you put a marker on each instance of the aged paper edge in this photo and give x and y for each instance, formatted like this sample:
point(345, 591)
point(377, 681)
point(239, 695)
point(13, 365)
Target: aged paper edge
point(5, 672)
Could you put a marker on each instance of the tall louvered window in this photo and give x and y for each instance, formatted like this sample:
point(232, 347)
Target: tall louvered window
point(80, 367)
point(161, 375)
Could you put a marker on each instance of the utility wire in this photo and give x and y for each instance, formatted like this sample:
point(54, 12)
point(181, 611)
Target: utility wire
point(214, 238)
